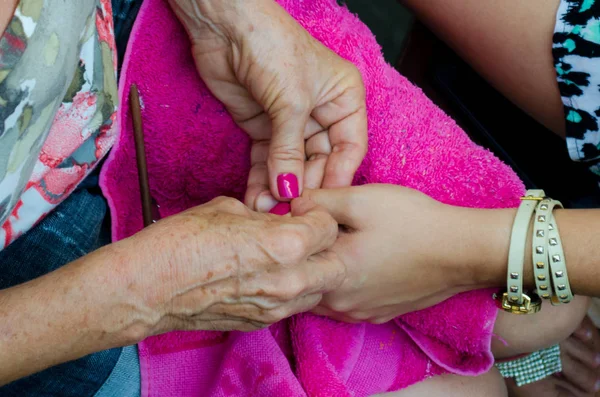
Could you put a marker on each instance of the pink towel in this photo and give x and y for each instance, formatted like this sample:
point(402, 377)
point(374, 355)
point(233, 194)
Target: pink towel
point(196, 152)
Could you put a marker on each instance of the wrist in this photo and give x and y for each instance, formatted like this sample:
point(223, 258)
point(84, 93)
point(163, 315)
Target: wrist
point(122, 311)
point(207, 19)
point(480, 240)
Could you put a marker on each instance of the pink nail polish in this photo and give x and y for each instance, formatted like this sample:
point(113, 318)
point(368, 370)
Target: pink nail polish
point(281, 209)
point(287, 185)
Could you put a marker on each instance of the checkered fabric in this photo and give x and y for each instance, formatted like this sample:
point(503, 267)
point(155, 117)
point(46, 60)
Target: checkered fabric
point(533, 367)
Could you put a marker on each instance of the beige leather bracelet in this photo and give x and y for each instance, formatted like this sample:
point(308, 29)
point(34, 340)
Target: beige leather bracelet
point(540, 255)
point(558, 266)
point(514, 300)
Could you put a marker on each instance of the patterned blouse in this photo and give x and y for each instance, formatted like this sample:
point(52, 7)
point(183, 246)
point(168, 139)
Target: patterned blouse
point(58, 101)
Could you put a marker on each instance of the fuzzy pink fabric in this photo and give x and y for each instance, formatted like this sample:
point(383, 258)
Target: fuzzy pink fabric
point(196, 152)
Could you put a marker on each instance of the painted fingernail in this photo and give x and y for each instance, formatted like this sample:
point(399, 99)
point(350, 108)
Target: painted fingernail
point(265, 202)
point(281, 209)
point(597, 359)
point(597, 386)
point(287, 185)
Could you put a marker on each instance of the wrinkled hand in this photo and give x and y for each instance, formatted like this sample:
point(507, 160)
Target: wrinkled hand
point(303, 106)
point(221, 266)
point(387, 249)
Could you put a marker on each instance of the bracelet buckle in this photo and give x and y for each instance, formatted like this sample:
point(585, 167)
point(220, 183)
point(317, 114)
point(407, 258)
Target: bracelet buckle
point(530, 305)
point(534, 198)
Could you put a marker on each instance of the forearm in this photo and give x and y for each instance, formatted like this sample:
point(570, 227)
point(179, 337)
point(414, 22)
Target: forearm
point(82, 308)
point(485, 237)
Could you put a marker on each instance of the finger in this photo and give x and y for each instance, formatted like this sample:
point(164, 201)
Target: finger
point(322, 273)
point(218, 324)
point(317, 152)
point(311, 224)
point(347, 134)
point(341, 317)
point(579, 375)
point(228, 205)
point(318, 274)
point(258, 196)
point(259, 126)
point(344, 204)
point(286, 152)
point(314, 171)
point(583, 333)
point(257, 313)
point(580, 351)
point(566, 389)
point(318, 144)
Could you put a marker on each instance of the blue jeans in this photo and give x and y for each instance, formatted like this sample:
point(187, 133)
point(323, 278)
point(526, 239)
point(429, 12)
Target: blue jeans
point(78, 226)
point(75, 228)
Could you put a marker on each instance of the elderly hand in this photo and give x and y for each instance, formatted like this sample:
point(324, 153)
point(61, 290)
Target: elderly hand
point(221, 266)
point(398, 251)
point(296, 99)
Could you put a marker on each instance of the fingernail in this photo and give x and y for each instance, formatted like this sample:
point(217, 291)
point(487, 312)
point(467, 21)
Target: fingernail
point(597, 359)
point(597, 386)
point(287, 185)
point(281, 209)
point(265, 202)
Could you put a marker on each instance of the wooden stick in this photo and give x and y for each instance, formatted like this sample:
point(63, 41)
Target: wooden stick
point(140, 153)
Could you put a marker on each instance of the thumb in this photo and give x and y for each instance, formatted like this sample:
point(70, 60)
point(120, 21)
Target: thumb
point(286, 154)
point(344, 204)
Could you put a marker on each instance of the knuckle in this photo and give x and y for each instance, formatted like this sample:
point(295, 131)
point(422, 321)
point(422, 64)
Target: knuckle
point(360, 316)
point(296, 287)
point(295, 105)
point(285, 152)
point(228, 204)
point(276, 315)
point(294, 246)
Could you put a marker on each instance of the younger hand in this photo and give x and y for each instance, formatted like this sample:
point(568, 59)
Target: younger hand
point(393, 246)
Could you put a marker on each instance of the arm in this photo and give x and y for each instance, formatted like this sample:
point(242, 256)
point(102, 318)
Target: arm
point(260, 268)
point(406, 251)
point(488, 231)
point(79, 309)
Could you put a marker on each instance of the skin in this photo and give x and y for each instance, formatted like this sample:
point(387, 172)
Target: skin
point(443, 261)
point(456, 386)
point(322, 126)
point(303, 106)
point(452, 261)
point(509, 43)
point(223, 267)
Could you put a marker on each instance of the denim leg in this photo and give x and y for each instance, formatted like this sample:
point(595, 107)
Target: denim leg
point(124, 14)
point(77, 227)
